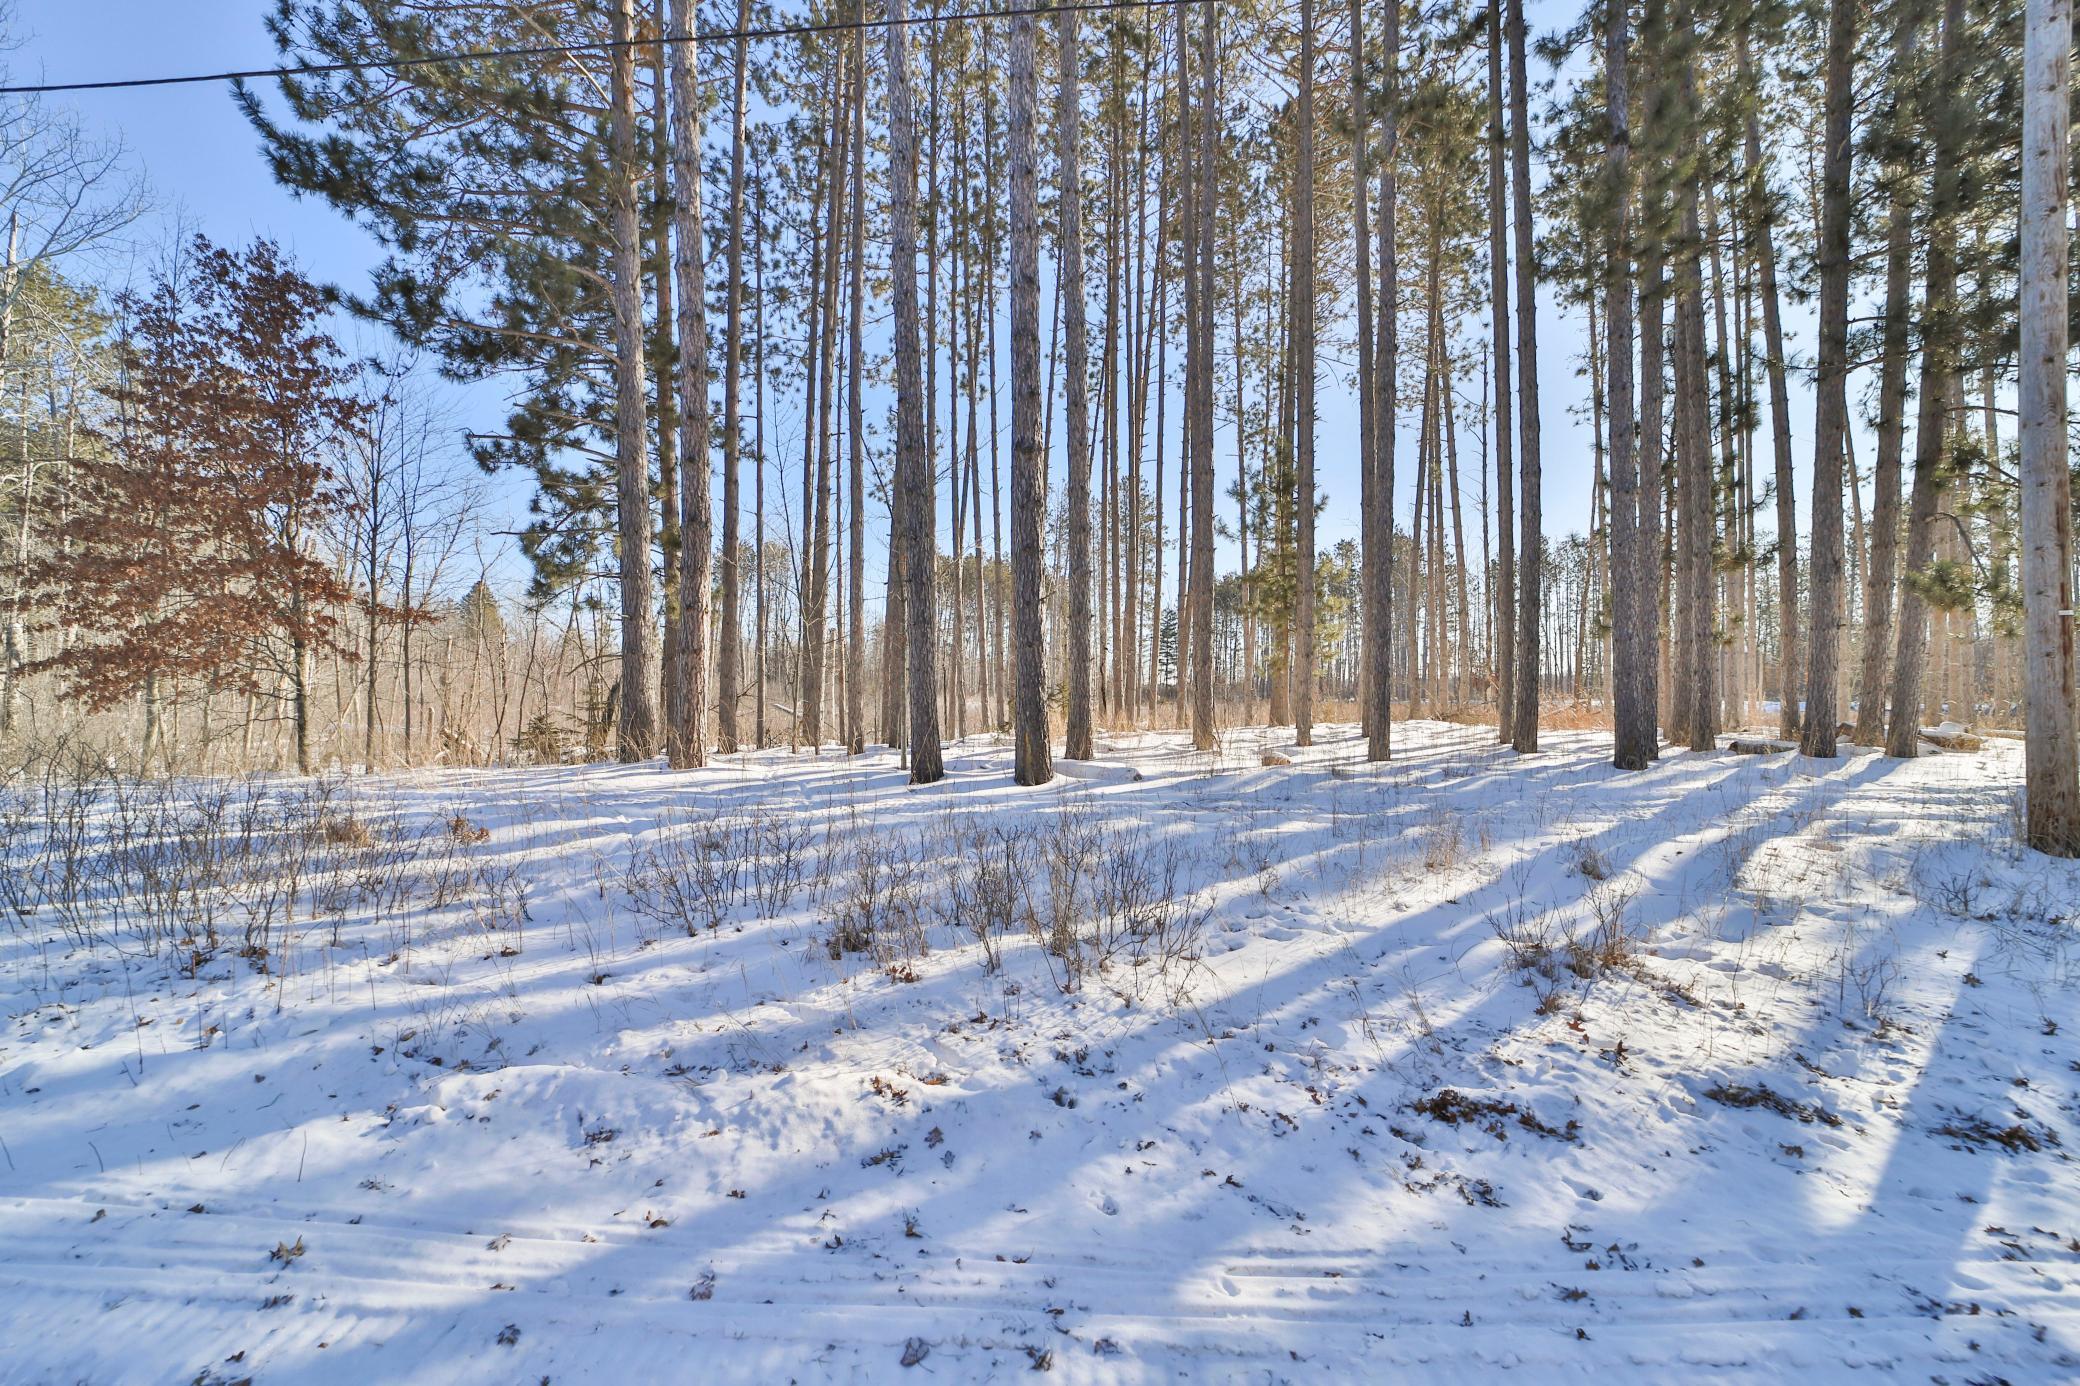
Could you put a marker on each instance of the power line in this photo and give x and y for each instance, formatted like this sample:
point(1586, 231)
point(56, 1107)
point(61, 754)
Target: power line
point(555, 50)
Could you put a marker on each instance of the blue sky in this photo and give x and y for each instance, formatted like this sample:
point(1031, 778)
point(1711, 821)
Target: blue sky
point(204, 165)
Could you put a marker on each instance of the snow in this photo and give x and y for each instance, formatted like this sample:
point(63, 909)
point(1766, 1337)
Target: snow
point(1352, 1112)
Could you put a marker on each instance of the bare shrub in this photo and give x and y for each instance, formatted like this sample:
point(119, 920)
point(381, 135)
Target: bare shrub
point(880, 911)
point(1956, 891)
point(1868, 976)
point(1144, 914)
point(985, 894)
point(689, 875)
point(777, 846)
point(1116, 898)
point(1589, 861)
point(1444, 843)
point(1529, 938)
point(1609, 942)
point(344, 830)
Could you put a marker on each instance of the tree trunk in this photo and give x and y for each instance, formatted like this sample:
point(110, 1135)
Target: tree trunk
point(914, 519)
point(1368, 453)
point(817, 524)
point(1881, 568)
point(665, 384)
point(1303, 331)
point(1504, 653)
point(1632, 615)
point(1379, 520)
point(1653, 356)
point(1075, 378)
point(1696, 710)
point(758, 481)
point(638, 721)
point(1938, 379)
point(1759, 206)
point(696, 506)
point(1524, 735)
point(855, 366)
point(1028, 490)
point(727, 654)
point(1201, 341)
point(1831, 407)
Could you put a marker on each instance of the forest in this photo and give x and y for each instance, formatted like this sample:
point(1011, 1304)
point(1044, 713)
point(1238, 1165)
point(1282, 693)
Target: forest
point(1146, 688)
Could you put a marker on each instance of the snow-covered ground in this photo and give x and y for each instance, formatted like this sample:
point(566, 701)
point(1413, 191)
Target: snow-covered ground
point(1741, 1067)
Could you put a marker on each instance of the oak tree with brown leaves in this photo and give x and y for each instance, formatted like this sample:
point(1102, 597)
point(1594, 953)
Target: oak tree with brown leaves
point(189, 551)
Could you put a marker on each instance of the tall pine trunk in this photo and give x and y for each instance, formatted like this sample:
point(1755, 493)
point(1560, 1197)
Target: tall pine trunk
point(696, 504)
point(855, 369)
point(638, 708)
point(1076, 405)
point(1759, 208)
point(1202, 397)
point(1632, 613)
point(1938, 385)
point(1303, 351)
point(1505, 585)
point(1696, 705)
point(727, 654)
point(1524, 725)
point(914, 521)
point(1831, 407)
point(1368, 453)
point(1379, 519)
point(1881, 568)
point(1028, 490)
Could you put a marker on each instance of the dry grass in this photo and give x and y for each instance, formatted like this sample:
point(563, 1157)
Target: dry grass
point(1575, 716)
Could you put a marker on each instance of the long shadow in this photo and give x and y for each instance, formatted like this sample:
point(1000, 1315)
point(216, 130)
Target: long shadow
point(1132, 1065)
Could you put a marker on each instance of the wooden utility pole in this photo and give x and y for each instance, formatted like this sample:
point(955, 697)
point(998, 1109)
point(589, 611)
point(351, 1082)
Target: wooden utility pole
point(2052, 754)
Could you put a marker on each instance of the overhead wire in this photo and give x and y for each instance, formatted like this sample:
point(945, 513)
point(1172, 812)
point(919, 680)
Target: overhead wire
point(557, 50)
